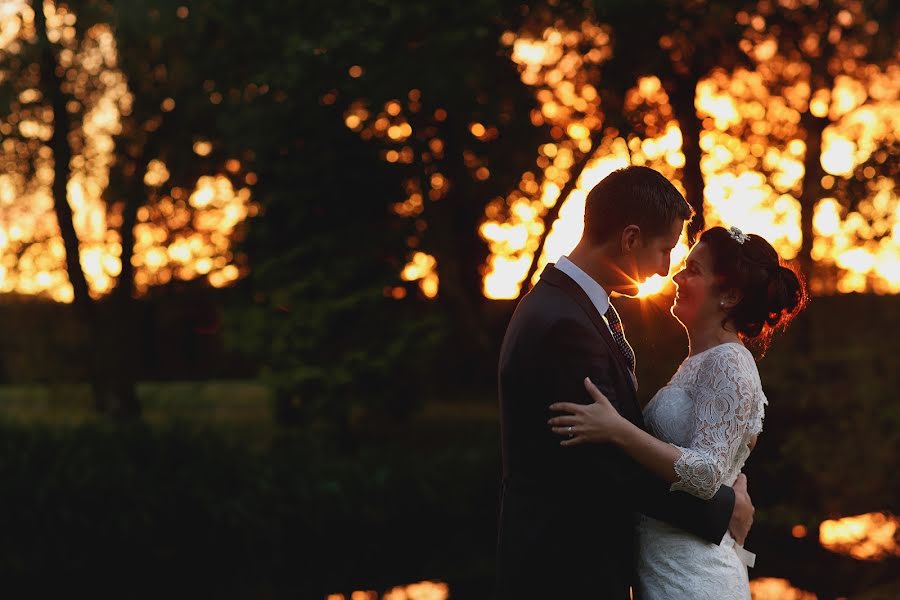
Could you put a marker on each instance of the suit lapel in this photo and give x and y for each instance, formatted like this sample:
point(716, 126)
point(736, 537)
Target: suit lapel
point(557, 278)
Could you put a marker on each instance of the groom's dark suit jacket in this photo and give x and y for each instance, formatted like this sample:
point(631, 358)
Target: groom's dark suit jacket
point(566, 523)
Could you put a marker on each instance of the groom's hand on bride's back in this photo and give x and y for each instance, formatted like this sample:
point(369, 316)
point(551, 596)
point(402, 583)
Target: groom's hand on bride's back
point(742, 515)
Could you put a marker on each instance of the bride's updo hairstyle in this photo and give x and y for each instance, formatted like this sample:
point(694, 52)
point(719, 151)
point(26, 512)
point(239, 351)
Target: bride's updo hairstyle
point(772, 294)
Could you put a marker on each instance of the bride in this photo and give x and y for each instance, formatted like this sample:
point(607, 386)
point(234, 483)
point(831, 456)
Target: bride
point(733, 290)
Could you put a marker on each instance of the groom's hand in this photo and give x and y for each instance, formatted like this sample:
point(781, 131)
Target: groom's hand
point(742, 515)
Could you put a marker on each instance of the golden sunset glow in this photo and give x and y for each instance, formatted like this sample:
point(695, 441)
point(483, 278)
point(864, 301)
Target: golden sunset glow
point(872, 536)
point(762, 588)
point(425, 590)
point(750, 183)
point(846, 239)
point(183, 234)
point(422, 268)
point(755, 185)
point(773, 588)
point(753, 143)
point(753, 159)
point(513, 225)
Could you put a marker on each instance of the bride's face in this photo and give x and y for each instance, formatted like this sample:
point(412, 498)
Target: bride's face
point(697, 298)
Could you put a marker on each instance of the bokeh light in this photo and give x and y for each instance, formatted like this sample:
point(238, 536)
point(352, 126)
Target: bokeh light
point(180, 234)
point(753, 146)
point(871, 536)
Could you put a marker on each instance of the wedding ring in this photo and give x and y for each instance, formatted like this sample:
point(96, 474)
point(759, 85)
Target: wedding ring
point(569, 429)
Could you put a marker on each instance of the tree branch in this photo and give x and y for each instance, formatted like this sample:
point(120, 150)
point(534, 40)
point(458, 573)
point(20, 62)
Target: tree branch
point(553, 213)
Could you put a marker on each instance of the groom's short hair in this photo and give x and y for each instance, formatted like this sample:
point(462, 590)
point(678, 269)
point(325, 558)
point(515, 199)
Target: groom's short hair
point(633, 196)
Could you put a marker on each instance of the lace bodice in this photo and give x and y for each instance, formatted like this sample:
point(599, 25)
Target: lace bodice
point(710, 410)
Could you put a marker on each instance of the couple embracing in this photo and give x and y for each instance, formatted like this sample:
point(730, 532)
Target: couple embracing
point(601, 499)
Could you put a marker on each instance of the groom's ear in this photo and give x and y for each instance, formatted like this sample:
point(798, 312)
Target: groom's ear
point(631, 239)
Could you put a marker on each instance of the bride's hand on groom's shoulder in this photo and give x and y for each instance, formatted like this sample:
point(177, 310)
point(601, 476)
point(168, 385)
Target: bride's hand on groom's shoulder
point(596, 422)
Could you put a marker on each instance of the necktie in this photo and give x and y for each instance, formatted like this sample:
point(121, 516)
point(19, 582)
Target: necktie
point(618, 333)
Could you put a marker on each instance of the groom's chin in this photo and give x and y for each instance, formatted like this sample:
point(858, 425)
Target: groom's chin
point(631, 290)
point(627, 292)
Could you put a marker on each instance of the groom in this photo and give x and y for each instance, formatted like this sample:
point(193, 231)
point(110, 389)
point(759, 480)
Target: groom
point(567, 525)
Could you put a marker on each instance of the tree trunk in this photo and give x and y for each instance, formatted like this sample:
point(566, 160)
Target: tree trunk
point(682, 98)
point(62, 156)
point(51, 82)
point(553, 214)
point(112, 392)
point(123, 339)
point(812, 185)
point(122, 305)
point(812, 191)
point(820, 77)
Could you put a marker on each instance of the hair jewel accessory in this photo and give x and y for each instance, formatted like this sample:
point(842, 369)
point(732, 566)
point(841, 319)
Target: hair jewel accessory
point(739, 236)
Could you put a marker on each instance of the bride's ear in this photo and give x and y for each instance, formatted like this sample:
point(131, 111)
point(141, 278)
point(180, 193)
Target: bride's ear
point(631, 239)
point(731, 298)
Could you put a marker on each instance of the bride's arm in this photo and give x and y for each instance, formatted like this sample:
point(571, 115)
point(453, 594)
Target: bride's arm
point(601, 423)
point(722, 421)
point(727, 414)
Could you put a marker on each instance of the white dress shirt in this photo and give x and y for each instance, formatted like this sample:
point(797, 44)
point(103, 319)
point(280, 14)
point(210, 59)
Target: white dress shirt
point(598, 296)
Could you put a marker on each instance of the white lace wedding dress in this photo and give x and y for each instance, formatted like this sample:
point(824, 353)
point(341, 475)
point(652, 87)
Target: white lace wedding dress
point(711, 410)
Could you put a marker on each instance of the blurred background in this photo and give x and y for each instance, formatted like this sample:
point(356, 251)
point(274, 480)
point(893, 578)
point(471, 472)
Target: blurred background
point(257, 259)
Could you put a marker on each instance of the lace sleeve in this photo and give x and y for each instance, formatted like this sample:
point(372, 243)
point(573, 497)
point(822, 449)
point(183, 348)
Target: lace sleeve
point(727, 411)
